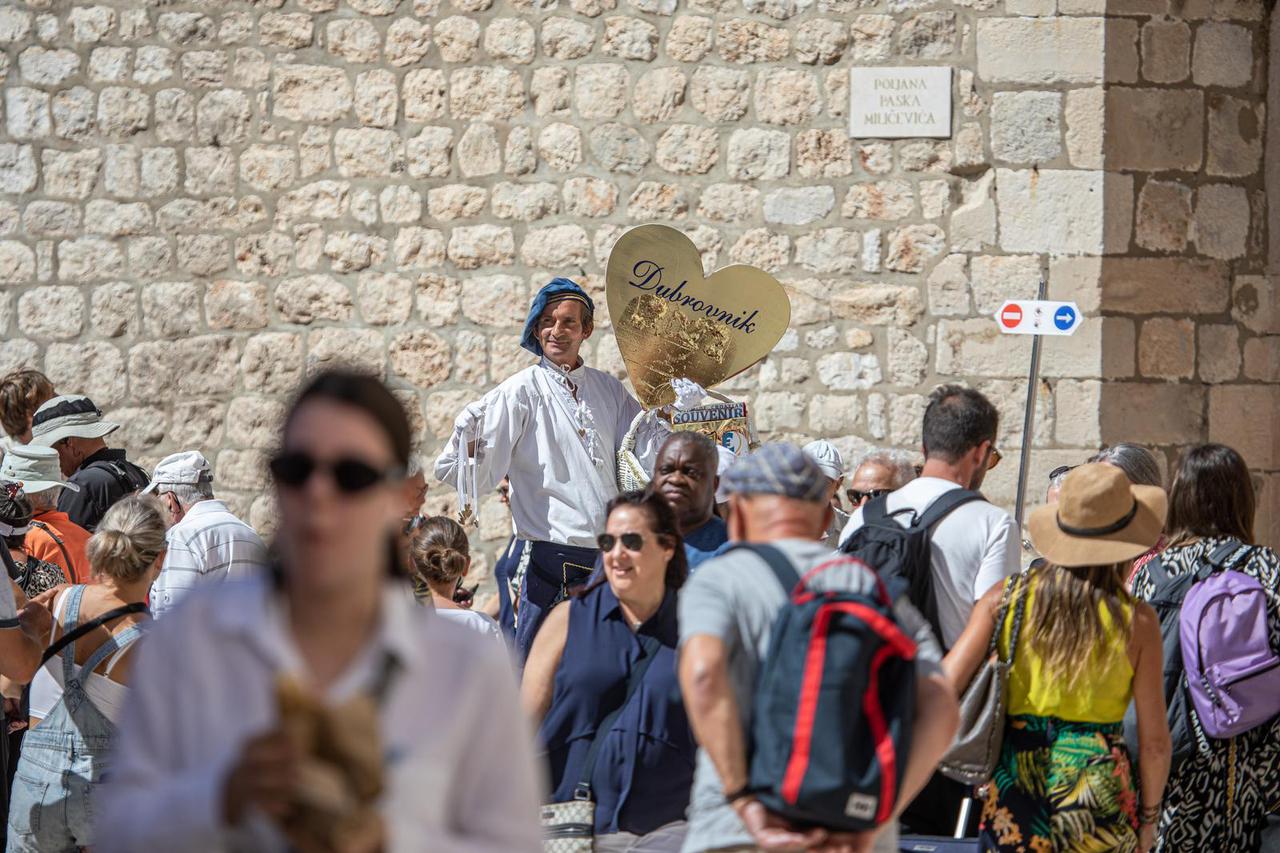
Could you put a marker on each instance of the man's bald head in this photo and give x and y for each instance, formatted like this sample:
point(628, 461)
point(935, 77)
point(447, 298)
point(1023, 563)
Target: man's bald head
point(684, 473)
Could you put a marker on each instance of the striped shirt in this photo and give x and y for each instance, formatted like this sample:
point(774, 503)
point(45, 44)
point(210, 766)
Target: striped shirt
point(208, 544)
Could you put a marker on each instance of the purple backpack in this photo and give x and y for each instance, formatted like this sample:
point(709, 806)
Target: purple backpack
point(1233, 673)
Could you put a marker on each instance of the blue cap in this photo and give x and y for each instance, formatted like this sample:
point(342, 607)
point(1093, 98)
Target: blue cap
point(553, 291)
point(778, 469)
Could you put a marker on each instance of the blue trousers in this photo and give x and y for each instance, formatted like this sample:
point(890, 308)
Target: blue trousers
point(554, 571)
point(503, 570)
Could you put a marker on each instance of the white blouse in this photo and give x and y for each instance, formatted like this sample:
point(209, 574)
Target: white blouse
point(459, 753)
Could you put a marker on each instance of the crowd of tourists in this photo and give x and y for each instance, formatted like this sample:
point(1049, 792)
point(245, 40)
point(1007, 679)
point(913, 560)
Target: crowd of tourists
point(773, 651)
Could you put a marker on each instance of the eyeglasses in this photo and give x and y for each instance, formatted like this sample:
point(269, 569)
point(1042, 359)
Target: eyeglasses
point(858, 497)
point(633, 542)
point(349, 475)
point(994, 459)
point(1060, 471)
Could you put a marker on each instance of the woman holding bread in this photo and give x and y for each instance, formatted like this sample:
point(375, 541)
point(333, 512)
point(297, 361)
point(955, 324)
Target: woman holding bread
point(288, 710)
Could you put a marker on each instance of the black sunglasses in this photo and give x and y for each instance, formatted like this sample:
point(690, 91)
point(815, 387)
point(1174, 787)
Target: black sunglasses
point(1060, 471)
point(858, 497)
point(633, 542)
point(349, 475)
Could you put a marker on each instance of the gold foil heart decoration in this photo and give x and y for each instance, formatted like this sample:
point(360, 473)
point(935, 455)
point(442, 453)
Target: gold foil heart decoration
point(671, 322)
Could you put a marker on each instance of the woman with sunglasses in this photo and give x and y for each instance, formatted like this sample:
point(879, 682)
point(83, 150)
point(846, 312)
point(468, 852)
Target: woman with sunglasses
point(205, 761)
point(603, 668)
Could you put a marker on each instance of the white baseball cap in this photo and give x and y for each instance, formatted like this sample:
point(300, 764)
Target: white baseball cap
point(185, 468)
point(825, 456)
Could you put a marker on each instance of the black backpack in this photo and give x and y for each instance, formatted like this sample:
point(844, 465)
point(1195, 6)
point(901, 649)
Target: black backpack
point(834, 704)
point(902, 554)
point(129, 477)
point(1166, 598)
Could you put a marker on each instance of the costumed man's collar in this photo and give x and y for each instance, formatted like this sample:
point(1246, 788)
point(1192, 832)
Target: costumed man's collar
point(553, 291)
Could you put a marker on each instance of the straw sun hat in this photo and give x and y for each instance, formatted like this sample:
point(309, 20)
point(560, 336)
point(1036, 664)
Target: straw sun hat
point(1100, 518)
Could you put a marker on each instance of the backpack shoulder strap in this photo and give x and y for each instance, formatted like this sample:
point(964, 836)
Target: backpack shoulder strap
point(777, 562)
point(57, 540)
point(943, 505)
point(115, 643)
point(1155, 568)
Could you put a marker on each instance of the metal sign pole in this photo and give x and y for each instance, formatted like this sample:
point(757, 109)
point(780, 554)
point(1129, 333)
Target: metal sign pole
point(1029, 418)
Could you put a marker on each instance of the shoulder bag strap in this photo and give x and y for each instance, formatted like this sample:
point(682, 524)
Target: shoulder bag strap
point(1001, 613)
point(61, 547)
point(777, 562)
point(76, 633)
point(1022, 593)
point(945, 503)
point(650, 646)
point(1156, 570)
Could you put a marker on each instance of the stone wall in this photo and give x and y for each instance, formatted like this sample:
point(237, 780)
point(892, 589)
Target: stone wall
point(202, 201)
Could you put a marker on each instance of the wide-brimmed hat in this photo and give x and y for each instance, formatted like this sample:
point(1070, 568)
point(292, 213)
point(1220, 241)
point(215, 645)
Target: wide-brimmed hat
point(188, 468)
point(35, 467)
point(1100, 518)
point(69, 416)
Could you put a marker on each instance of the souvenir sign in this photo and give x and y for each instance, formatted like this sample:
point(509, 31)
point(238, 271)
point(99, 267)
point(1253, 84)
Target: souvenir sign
point(671, 322)
point(727, 424)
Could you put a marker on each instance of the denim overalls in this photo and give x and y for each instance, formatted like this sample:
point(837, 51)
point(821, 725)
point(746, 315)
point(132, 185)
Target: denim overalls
point(64, 757)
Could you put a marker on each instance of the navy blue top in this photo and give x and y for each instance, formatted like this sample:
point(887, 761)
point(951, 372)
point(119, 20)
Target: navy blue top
point(644, 770)
point(705, 542)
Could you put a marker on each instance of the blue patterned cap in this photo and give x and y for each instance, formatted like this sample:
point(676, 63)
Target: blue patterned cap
point(551, 292)
point(778, 469)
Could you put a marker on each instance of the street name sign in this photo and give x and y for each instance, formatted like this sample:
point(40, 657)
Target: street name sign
point(893, 103)
point(1038, 317)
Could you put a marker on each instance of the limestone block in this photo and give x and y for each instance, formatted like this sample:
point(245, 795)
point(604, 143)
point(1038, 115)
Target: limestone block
point(744, 40)
point(1220, 228)
point(729, 202)
point(89, 258)
point(849, 371)
point(1235, 136)
point(73, 113)
point(120, 170)
point(995, 279)
point(399, 204)
point(311, 93)
point(489, 93)
point(877, 304)
point(210, 171)
point(823, 154)
point(519, 152)
point(775, 410)
point(908, 358)
point(481, 245)
point(359, 349)
point(589, 197)
point(67, 174)
point(116, 220)
point(18, 168)
point(799, 205)
point(911, 247)
point(269, 167)
point(368, 152)
point(829, 250)
point(238, 305)
point(43, 67)
point(566, 38)
point(948, 287)
point(408, 41)
point(720, 94)
point(528, 202)
point(159, 371)
point(113, 310)
point(834, 414)
point(427, 154)
point(289, 30)
point(353, 40)
point(658, 94)
point(872, 37)
point(478, 151)
point(690, 38)
point(1218, 352)
point(1223, 55)
point(786, 96)
point(376, 98)
point(1163, 216)
point(1077, 410)
point(15, 24)
point(1166, 348)
point(1244, 417)
point(929, 35)
point(95, 368)
point(688, 149)
point(254, 421)
point(27, 113)
point(158, 171)
point(600, 90)
point(1255, 303)
point(1127, 406)
point(1062, 211)
point(455, 201)
point(765, 249)
point(421, 357)
point(976, 348)
point(883, 200)
point(1025, 126)
point(550, 91)
point(153, 64)
point(175, 115)
point(654, 201)
point(306, 299)
point(15, 354)
point(510, 39)
point(1166, 51)
point(349, 251)
point(630, 38)
point(906, 419)
point(458, 38)
point(924, 156)
point(973, 222)
point(51, 313)
point(619, 148)
point(823, 41)
point(556, 247)
point(1165, 285)
point(90, 24)
point(1068, 50)
point(1165, 129)
point(47, 219)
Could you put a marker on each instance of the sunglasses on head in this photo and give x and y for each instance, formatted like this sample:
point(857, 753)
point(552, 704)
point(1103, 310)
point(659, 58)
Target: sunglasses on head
point(856, 496)
point(633, 542)
point(350, 475)
point(1060, 471)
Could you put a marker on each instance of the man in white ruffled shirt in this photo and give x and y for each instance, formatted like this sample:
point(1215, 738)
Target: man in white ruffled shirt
point(555, 429)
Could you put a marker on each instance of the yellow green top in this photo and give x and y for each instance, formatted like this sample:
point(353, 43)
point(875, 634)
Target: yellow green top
point(1100, 696)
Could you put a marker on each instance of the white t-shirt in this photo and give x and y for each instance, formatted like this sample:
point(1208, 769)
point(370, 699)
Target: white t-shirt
point(472, 619)
point(974, 547)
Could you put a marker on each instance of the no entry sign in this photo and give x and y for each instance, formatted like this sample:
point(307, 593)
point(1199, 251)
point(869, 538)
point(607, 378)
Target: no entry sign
point(1038, 317)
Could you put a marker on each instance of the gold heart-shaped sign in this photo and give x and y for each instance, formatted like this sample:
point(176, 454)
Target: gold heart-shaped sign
point(671, 322)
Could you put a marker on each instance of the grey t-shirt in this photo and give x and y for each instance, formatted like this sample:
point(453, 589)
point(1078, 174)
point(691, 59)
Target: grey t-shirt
point(736, 597)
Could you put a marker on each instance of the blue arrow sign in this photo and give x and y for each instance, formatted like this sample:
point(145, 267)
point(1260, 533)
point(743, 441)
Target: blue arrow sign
point(1064, 318)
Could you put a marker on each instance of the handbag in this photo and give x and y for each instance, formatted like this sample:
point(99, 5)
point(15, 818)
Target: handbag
point(973, 754)
point(570, 827)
